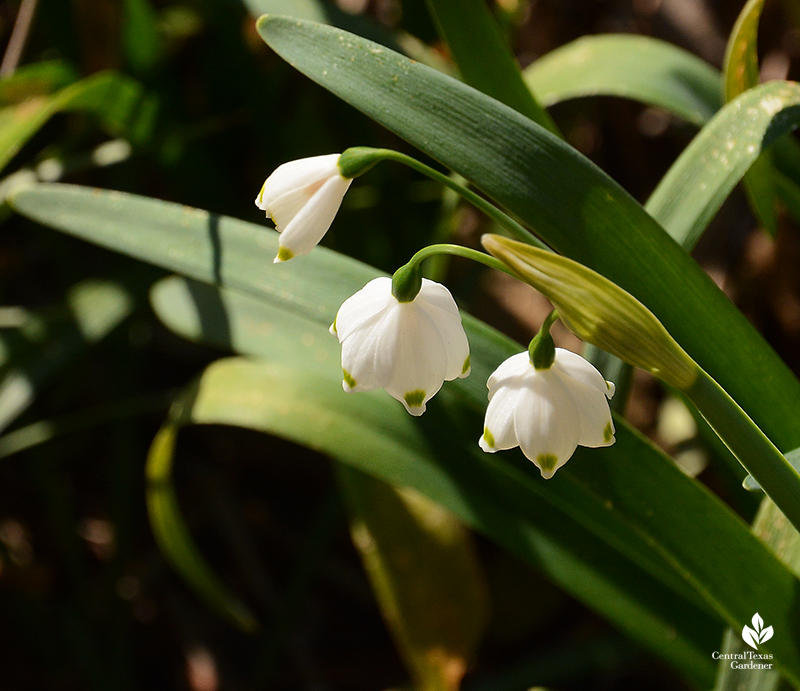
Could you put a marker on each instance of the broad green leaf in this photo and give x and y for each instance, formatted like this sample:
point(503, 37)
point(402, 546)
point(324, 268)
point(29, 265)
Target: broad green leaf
point(628, 500)
point(484, 59)
point(37, 79)
point(574, 207)
point(118, 101)
point(701, 179)
point(52, 340)
point(424, 570)
point(776, 532)
point(172, 533)
point(637, 67)
point(195, 243)
point(741, 59)
point(499, 499)
point(172, 298)
point(324, 13)
point(654, 73)
point(740, 73)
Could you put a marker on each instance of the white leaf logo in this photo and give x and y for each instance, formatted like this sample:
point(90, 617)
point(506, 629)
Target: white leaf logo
point(750, 637)
point(766, 634)
point(758, 634)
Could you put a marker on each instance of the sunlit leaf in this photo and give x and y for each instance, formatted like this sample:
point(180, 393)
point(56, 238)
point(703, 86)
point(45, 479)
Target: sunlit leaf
point(118, 101)
point(171, 531)
point(637, 67)
point(628, 500)
point(425, 573)
point(571, 204)
point(484, 59)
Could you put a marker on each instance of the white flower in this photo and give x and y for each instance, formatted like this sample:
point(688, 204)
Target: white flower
point(302, 198)
point(407, 348)
point(547, 412)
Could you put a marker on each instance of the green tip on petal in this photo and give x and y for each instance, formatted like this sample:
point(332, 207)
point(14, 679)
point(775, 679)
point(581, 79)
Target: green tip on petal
point(488, 437)
point(348, 379)
point(284, 255)
point(466, 366)
point(608, 433)
point(547, 462)
point(414, 398)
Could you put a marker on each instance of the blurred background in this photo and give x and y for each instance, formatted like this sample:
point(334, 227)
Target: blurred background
point(86, 599)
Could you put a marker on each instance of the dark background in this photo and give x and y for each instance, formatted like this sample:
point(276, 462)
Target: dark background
point(86, 599)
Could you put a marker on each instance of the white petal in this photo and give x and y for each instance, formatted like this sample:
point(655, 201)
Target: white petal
point(411, 361)
point(308, 227)
point(283, 209)
point(498, 429)
point(575, 366)
point(547, 422)
point(359, 352)
point(437, 295)
point(437, 302)
point(295, 175)
point(596, 425)
point(516, 366)
point(363, 305)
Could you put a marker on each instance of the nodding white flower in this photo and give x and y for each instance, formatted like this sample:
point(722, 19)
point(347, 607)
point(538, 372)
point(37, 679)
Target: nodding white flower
point(547, 412)
point(407, 348)
point(302, 198)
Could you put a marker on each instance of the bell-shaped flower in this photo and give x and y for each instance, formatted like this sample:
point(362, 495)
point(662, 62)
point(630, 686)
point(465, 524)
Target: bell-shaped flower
point(302, 198)
point(408, 348)
point(547, 412)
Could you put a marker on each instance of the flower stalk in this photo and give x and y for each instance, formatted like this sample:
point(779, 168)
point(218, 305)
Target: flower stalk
point(359, 159)
point(757, 454)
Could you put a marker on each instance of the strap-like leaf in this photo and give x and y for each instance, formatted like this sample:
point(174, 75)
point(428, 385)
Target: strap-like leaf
point(627, 500)
point(484, 59)
point(637, 67)
point(571, 204)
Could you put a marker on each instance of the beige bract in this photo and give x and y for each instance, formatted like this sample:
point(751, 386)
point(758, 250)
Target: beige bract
point(408, 348)
point(302, 198)
point(548, 413)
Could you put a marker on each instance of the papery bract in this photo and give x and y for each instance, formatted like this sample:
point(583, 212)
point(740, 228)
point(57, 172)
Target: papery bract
point(302, 198)
point(408, 348)
point(547, 412)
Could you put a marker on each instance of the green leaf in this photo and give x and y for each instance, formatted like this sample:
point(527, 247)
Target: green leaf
point(424, 570)
point(48, 342)
point(574, 207)
point(701, 179)
point(325, 13)
point(37, 79)
point(740, 73)
point(172, 533)
point(117, 100)
point(637, 67)
point(777, 533)
point(628, 500)
point(504, 501)
point(483, 56)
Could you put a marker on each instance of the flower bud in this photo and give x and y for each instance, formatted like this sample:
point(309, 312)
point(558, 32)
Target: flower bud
point(598, 311)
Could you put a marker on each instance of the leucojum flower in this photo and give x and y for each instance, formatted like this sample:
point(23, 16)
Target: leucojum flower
point(548, 401)
point(409, 347)
point(302, 198)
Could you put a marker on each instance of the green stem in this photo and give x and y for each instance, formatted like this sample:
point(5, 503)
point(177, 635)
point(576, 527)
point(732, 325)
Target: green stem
point(407, 279)
point(759, 456)
point(459, 251)
point(357, 160)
